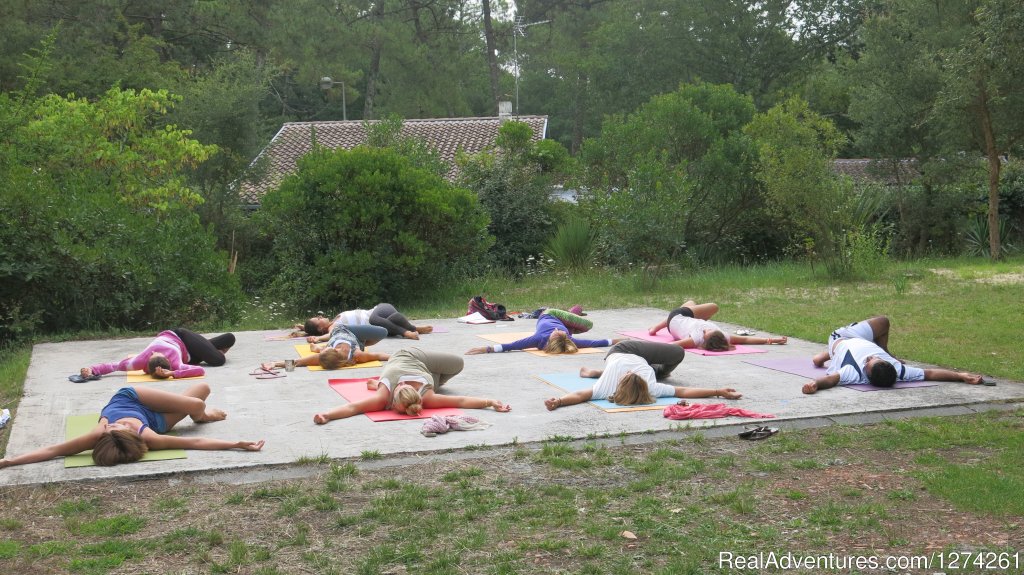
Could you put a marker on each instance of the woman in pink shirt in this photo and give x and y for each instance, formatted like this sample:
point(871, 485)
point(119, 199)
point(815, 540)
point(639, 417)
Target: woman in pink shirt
point(174, 353)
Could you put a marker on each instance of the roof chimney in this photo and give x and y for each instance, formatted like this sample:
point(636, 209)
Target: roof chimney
point(504, 110)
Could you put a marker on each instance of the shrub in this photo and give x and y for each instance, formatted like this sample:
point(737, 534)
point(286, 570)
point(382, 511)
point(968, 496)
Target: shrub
point(572, 247)
point(355, 227)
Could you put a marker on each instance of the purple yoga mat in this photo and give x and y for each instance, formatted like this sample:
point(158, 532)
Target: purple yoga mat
point(804, 367)
point(664, 337)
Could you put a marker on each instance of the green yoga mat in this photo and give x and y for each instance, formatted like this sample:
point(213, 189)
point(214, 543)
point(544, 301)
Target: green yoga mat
point(77, 425)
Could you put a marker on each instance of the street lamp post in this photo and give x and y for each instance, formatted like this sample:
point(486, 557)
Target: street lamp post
point(326, 83)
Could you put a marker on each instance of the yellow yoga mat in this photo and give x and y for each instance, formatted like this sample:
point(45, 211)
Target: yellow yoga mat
point(77, 425)
point(304, 351)
point(518, 335)
point(143, 377)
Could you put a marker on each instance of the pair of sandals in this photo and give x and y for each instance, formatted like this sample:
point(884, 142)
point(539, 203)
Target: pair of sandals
point(264, 373)
point(757, 433)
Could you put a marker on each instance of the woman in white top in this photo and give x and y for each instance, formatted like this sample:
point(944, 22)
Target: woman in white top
point(689, 327)
point(382, 315)
point(407, 385)
point(630, 377)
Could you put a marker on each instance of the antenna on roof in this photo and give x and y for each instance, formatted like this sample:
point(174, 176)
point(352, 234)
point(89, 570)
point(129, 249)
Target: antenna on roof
point(519, 29)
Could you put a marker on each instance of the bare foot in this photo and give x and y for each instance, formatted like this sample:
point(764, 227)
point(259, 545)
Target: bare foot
point(411, 335)
point(425, 329)
point(590, 373)
point(212, 415)
point(810, 388)
point(552, 403)
point(320, 419)
point(85, 372)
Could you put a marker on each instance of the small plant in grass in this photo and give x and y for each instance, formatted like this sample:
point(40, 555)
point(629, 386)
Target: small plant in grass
point(109, 527)
point(806, 464)
point(901, 495)
point(78, 507)
point(699, 438)
point(794, 494)
point(9, 549)
point(850, 492)
point(236, 498)
point(50, 549)
point(765, 464)
point(169, 503)
point(8, 524)
point(370, 455)
point(321, 459)
point(572, 247)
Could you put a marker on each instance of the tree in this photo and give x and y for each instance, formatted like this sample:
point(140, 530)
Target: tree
point(941, 78)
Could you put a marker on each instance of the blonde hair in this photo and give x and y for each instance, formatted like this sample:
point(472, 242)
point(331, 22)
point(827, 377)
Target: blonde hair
point(632, 390)
point(118, 446)
point(408, 401)
point(717, 341)
point(560, 344)
point(331, 358)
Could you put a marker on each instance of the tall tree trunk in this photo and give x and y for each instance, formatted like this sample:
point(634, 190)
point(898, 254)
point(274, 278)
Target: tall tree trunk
point(492, 56)
point(376, 47)
point(994, 166)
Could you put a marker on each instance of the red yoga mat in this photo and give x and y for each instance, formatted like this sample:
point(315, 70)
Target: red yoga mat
point(355, 389)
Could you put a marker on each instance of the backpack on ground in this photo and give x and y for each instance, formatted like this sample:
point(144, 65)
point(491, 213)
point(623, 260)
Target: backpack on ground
point(492, 311)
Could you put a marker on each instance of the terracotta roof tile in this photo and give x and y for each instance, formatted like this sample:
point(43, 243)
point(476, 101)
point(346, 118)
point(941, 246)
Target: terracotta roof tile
point(446, 135)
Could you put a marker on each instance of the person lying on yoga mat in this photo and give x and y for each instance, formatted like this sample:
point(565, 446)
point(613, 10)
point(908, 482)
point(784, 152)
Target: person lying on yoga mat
point(552, 335)
point(382, 315)
point(345, 347)
point(174, 353)
point(859, 355)
point(690, 327)
point(408, 384)
point(135, 421)
point(630, 377)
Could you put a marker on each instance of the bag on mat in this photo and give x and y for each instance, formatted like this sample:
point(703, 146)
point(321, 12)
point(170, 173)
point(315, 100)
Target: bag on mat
point(492, 311)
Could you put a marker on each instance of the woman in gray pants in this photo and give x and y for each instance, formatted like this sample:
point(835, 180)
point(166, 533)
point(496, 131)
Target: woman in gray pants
point(382, 315)
point(408, 384)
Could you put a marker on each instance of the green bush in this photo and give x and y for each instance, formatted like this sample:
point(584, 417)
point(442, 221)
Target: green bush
point(572, 247)
point(352, 228)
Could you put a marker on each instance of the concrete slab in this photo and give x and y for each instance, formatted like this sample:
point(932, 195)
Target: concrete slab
point(281, 410)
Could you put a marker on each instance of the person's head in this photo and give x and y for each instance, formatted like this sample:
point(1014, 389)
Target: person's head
point(118, 445)
point(335, 357)
point(559, 342)
point(881, 373)
point(157, 360)
point(716, 341)
point(408, 400)
point(632, 390)
point(317, 325)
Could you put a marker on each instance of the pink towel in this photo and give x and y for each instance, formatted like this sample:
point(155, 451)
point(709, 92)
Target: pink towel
point(709, 411)
point(439, 424)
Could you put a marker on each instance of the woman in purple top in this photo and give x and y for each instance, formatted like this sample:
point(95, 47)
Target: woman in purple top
point(551, 335)
point(134, 421)
point(174, 353)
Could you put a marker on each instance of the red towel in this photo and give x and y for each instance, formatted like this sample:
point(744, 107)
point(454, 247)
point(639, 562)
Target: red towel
point(709, 411)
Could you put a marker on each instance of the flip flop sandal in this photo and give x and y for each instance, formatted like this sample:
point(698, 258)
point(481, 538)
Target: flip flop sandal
point(759, 433)
point(264, 371)
point(745, 332)
point(988, 382)
point(269, 375)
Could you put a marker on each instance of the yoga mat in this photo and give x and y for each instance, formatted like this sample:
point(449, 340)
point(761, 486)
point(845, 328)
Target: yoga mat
point(573, 382)
point(664, 337)
point(518, 335)
point(804, 367)
point(77, 425)
point(304, 351)
point(355, 389)
point(437, 329)
point(140, 376)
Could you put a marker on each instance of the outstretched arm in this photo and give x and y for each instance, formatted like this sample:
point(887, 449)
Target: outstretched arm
point(821, 383)
point(753, 340)
point(434, 400)
point(573, 398)
point(373, 403)
point(685, 343)
point(949, 375)
point(698, 392)
point(157, 441)
point(654, 329)
point(71, 447)
point(368, 356)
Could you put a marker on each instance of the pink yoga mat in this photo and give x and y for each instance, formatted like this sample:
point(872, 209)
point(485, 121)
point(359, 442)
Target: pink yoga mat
point(664, 337)
point(355, 389)
point(804, 367)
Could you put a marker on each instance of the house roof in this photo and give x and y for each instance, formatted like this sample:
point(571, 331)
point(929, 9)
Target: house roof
point(446, 135)
point(877, 171)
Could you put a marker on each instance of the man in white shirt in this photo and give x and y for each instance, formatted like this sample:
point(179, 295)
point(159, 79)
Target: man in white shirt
point(859, 354)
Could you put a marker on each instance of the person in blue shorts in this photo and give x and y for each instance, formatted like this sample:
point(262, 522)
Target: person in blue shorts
point(135, 421)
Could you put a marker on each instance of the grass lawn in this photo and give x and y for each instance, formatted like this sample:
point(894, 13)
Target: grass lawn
point(944, 488)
